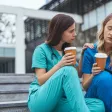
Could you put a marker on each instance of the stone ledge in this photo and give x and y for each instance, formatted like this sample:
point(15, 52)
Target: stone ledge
point(14, 91)
point(13, 104)
point(13, 74)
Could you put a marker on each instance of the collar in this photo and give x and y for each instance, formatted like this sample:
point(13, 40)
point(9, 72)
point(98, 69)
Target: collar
point(55, 52)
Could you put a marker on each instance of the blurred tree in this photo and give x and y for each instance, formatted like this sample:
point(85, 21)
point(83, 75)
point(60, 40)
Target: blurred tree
point(7, 28)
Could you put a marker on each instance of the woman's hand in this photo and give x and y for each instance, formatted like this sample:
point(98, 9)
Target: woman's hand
point(67, 59)
point(95, 70)
point(87, 45)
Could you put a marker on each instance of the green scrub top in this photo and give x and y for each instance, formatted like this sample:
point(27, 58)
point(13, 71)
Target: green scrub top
point(46, 57)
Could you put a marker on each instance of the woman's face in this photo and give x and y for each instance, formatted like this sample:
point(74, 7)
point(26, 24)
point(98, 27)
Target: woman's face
point(108, 32)
point(69, 34)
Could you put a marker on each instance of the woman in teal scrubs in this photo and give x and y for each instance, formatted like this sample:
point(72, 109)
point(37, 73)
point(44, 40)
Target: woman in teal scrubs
point(57, 86)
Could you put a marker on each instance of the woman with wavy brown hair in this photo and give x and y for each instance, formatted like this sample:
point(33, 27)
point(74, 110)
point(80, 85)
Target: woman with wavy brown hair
point(97, 83)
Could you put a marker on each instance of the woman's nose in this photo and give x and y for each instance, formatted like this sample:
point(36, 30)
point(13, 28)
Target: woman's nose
point(110, 32)
point(74, 34)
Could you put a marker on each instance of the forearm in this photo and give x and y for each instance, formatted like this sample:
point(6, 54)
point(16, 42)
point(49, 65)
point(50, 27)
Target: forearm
point(87, 82)
point(80, 67)
point(43, 78)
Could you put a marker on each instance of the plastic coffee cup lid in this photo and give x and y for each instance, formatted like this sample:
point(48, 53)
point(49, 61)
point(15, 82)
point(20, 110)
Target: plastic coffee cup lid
point(101, 55)
point(70, 48)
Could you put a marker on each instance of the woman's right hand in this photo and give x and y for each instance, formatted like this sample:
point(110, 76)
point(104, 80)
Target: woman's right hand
point(95, 70)
point(67, 59)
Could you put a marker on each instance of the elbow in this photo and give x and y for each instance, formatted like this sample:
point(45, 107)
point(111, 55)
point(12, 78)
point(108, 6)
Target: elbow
point(84, 86)
point(80, 75)
point(40, 82)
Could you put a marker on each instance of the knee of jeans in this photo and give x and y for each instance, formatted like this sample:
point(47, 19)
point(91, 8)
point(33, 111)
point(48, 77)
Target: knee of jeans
point(104, 79)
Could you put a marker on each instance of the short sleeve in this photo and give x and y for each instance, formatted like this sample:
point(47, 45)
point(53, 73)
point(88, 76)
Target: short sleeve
point(87, 62)
point(39, 58)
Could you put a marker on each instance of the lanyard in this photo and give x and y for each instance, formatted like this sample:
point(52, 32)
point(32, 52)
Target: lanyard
point(53, 55)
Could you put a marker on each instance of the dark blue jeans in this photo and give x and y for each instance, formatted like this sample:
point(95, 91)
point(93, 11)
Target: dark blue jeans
point(101, 88)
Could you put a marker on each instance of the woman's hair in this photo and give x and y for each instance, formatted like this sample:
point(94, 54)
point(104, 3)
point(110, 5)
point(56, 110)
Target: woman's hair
point(101, 34)
point(58, 25)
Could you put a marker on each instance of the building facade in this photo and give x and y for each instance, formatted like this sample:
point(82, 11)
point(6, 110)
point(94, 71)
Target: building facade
point(92, 11)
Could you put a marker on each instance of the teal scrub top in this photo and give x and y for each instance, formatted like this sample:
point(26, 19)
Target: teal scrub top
point(46, 57)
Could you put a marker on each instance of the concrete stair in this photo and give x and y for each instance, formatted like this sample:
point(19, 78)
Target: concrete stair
point(14, 92)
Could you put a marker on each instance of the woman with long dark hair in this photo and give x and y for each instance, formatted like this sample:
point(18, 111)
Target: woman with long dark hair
point(57, 87)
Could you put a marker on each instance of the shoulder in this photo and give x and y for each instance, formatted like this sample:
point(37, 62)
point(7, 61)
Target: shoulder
point(90, 51)
point(44, 46)
point(38, 50)
point(41, 47)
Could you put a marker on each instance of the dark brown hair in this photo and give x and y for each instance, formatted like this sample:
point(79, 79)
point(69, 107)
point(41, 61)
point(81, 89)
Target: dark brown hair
point(58, 25)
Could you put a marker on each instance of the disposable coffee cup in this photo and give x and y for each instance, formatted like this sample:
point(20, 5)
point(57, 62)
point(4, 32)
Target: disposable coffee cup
point(101, 60)
point(71, 50)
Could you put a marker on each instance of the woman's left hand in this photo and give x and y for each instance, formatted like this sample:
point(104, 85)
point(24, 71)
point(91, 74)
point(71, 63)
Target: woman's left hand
point(87, 45)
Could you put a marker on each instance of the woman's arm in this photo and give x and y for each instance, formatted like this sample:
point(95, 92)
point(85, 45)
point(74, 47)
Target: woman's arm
point(43, 76)
point(80, 67)
point(86, 45)
point(87, 78)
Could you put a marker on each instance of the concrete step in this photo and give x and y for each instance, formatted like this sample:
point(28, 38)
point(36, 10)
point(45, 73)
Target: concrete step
point(14, 87)
point(13, 74)
point(14, 106)
point(14, 92)
point(18, 79)
point(19, 95)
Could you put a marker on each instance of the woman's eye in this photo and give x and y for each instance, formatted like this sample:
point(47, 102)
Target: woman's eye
point(71, 31)
point(109, 28)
